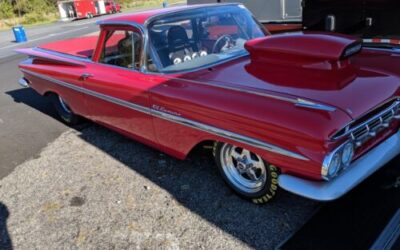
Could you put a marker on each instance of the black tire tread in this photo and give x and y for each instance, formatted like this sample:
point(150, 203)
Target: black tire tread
point(263, 196)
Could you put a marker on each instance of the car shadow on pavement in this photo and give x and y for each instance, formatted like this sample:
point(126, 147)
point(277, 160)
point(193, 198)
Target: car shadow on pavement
point(5, 240)
point(31, 98)
point(195, 184)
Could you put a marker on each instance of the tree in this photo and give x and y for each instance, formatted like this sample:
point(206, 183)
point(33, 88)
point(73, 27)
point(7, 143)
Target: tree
point(6, 9)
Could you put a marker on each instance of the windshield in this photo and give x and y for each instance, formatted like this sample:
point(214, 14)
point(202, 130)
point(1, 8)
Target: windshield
point(196, 38)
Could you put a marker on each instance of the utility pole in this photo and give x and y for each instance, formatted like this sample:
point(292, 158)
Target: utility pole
point(19, 11)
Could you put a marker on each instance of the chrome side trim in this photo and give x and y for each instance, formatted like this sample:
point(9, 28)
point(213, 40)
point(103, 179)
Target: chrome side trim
point(353, 175)
point(299, 102)
point(312, 105)
point(90, 92)
point(227, 134)
point(176, 119)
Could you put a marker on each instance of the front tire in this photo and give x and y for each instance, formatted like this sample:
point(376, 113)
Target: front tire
point(64, 111)
point(246, 173)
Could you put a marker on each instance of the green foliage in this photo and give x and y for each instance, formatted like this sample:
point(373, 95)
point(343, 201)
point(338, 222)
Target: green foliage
point(6, 9)
point(35, 6)
point(33, 18)
point(30, 11)
point(37, 11)
point(129, 4)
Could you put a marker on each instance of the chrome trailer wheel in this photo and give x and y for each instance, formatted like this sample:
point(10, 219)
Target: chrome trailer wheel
point(246, 172)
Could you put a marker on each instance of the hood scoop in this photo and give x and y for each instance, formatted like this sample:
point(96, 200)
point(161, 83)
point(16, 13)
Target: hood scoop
point(304, 49)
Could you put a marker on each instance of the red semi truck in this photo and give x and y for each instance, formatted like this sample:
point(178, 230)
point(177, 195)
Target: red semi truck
point(76, 9)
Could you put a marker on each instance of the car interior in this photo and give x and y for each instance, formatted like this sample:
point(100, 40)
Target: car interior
point(197, 40)
point(123, 50)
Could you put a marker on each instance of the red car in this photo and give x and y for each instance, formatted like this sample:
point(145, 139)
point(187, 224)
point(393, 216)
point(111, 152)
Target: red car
point(314, 114)
point(112, 7)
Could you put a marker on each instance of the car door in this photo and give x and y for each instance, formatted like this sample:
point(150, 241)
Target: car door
point(117, 92)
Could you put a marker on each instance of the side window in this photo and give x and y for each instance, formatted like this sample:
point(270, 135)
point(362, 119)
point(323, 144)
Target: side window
point(122, 48)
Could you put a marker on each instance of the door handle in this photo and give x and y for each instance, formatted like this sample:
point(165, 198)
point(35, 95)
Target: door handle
point(85, 76)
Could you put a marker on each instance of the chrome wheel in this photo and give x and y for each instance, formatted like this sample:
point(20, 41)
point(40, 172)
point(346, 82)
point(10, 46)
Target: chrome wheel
point(64, 105)
point(244, 169)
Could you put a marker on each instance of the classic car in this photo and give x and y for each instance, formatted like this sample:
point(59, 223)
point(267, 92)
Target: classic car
point(312, 113)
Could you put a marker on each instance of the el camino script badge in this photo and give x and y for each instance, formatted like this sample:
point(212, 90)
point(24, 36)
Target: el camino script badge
point(162, 109)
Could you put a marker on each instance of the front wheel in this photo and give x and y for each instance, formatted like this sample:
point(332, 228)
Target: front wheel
point(64, 111)
point(246, 173)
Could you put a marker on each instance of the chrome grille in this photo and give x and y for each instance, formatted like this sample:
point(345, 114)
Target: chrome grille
point(360, 132)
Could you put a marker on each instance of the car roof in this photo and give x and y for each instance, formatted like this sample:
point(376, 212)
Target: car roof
point(142, 16)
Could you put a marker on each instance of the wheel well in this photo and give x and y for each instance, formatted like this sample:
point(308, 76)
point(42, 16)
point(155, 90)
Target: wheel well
point(208, 147)
point(202, 146)
point(49, 93)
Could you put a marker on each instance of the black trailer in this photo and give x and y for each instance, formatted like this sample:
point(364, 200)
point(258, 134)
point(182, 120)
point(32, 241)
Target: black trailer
point(267, 11)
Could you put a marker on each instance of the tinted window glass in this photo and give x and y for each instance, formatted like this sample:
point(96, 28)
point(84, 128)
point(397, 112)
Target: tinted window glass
point(199, 37)
point(122, 48)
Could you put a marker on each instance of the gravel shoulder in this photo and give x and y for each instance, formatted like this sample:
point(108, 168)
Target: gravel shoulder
point(94, 189)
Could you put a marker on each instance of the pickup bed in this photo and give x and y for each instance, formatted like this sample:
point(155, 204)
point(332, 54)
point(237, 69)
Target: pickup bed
point(81, 46)
point(363, 18)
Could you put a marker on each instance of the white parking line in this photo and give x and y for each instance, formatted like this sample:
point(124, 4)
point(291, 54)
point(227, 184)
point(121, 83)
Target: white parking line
point(43, 37)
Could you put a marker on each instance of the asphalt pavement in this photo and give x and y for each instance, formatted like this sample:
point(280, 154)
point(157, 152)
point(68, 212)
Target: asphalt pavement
point(46, 33)
point(23, 130)
point(94, 189)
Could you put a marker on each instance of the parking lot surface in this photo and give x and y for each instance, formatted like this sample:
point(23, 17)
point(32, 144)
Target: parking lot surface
point(90, 188)
point(94, 189)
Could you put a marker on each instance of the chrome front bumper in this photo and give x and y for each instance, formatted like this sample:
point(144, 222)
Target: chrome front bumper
point(349, 178)
point(23, 82)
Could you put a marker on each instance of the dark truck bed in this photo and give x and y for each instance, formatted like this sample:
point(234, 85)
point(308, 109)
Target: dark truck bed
point(363, 18)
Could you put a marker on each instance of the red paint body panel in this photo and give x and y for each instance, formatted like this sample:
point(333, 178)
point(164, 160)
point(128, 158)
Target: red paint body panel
point(235, 112)
point(82, 46)
point(56, 59)
point(60, 72)
point(354, 88)
point(299, 46)
point(125, 85)
point(247, 96)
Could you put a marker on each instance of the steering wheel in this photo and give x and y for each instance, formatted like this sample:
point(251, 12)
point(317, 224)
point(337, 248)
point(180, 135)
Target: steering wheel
point(225, 39)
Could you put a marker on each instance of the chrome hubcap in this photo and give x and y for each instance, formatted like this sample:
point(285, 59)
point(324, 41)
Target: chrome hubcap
point(244, 169)
point(64, 105)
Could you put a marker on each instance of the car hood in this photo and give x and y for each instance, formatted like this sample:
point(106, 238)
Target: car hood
point(355, 86)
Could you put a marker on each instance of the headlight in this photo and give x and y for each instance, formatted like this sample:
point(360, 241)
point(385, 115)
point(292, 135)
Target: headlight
point(347, 154)
point(334, 165)
point(337, 160)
